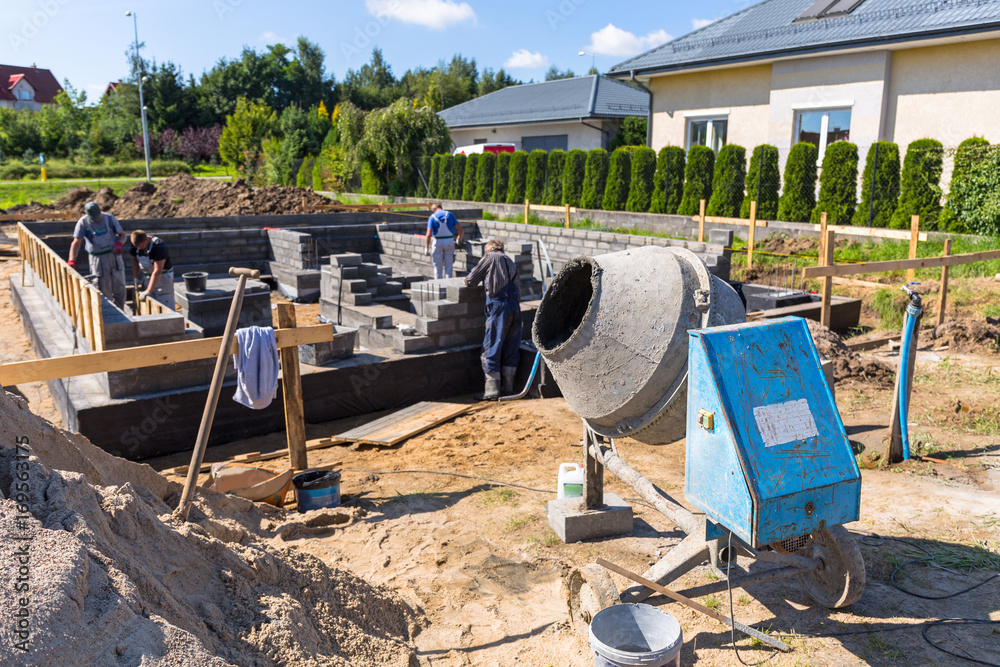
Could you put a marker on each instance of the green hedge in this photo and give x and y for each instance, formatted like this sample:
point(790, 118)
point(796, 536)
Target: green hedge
point(668, 181)
point(798, 198)
point(485, 176)
point(968, 155)
point(975, 198)
point(697, 179)
point(730, 174)
point(15, 171)
point(501, 178)
point(640, 192)
point(444, 177)
point(304, 177)
point(879, 190)
point(920, 189)
point(422, 182)
point(518, 173)
point(457, 176)
point(838, 184)
point(595, 177)
point(619, 180)
point(534, 184)
point(434, 179)
point(470, 182)
point(554, 177)
point(763, 171)
point(573, 175)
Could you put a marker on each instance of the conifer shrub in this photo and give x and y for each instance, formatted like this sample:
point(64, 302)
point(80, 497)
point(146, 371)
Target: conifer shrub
point(763, 171)
point(554, 178)
point(457, 176)
point(304, 177)
point(640, 192)
point(443, 190)
point(697, 179)
point(838, 184)
point(485, 176)
point(798, 198)
point(516, 180)
point(729, 175)
point(920, 187)
point(534, 184)
point(668, 182)
point(974, 196)
point(501, 177)
point(619, 180)
point(572, 177)
point(372, 182)
point(469, 182)
point(879, 186)
point(317, 175)
point(595, 177)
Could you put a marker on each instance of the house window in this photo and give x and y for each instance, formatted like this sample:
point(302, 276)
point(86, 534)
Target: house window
point(549, 142)
point(709, 132)
point(478, 141)
point(25, 94)
point(822, 127)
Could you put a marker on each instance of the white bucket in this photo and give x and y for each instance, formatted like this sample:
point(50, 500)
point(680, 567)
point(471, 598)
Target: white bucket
point(635, 634)
point(570, 484)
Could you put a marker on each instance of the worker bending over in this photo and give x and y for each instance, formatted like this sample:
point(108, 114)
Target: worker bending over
point(443, 229)
point(149, 254)
point(104, 237)
point(502, 343)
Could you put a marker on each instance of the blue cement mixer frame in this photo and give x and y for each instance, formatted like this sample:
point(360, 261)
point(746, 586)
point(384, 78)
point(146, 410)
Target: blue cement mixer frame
point(767, 456)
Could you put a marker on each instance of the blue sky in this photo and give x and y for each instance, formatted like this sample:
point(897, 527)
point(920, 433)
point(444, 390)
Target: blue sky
point(85, 40)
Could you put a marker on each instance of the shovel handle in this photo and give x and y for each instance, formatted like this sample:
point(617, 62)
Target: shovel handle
point(235, 272)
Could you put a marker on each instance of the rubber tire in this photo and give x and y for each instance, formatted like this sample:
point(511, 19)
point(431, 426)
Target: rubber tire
point(590, 589)
point(841, 580)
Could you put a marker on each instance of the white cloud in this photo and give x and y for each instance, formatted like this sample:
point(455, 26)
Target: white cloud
point(433, 14)
point(525, 59)
point(271, 37)
point(701, 23)
point(613, 41)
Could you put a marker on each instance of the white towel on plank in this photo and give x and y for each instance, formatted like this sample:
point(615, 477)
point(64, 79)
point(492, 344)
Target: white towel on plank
point(256, 366)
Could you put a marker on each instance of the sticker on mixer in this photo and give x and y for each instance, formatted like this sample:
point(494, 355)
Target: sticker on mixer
point(785, 422)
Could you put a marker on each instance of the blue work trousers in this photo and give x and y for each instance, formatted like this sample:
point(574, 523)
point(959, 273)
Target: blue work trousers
point(502, 343)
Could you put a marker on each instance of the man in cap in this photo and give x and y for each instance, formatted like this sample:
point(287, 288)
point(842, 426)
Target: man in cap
point(502, 342)
point(151, 259)
point(103, 237)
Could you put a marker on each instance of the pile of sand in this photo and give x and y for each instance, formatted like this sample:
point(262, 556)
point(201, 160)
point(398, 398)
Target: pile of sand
point(115, 579)
point(969, 334)
point(846, 362)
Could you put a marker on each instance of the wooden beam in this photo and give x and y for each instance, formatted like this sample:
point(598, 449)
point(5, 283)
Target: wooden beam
point(291, 383)
point(828, 247)
point(552, 209)
point(719, 220)
point(899, 264)
point(751, 237)
point(567, 216)
point(911, 274)
point(144, 356)
point(527, 210)
point(701, 221)
point(874, 232)
point(873, 344)
point(943, 297)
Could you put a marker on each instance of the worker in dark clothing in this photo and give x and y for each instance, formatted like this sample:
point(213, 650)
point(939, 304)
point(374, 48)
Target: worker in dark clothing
point(151, 260)
point(501, 345)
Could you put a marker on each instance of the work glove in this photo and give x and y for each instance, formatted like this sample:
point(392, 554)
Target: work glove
point(117, 249)
point(143, 295)
point(427, 252)
point(72, 263)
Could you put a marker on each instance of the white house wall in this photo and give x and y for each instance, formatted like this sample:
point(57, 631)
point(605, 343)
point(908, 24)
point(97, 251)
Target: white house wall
point(578, 135)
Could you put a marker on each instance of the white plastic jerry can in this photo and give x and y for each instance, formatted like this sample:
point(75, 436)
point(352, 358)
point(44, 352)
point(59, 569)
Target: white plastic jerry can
point(570, 483)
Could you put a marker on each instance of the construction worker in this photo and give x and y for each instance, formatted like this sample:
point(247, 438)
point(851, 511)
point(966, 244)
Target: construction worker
point(104, 238)
point(443, 229)
point(151, 258)
point(502, 342)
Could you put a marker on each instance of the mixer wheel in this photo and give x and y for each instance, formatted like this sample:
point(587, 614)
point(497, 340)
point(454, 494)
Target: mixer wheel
point(590, 590)
point(841, 579)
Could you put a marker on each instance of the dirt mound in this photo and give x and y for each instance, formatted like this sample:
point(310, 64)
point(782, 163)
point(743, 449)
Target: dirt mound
point(114, 578)
point(787, 246)
point(969, 334)
point(846, 362)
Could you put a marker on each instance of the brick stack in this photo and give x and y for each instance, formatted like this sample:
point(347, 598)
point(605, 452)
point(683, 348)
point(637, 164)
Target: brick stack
point(361, 283)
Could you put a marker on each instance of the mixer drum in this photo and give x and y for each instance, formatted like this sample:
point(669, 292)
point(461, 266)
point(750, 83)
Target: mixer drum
point(613, 332)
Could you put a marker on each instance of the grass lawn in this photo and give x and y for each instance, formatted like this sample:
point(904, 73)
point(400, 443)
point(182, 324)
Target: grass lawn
point(27, 191)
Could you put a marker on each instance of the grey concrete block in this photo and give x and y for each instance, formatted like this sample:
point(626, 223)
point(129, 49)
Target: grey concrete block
point(428, 327)
point(367, 270)
point(376, 280)
point(412, 344)
point(346, 259)
point(359, 285)
point(390, 289)
point(358, 299)
point(573, 522)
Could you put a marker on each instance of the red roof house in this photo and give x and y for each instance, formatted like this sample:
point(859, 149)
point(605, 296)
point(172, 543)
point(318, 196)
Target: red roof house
point(27, 87)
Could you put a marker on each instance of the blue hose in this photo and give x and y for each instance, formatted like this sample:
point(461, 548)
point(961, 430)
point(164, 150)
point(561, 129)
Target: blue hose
point(913, 310)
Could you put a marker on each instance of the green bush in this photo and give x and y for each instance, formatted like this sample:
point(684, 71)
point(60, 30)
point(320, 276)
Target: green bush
point(501, 178)
point(534, 184)
point(469, 181)
point(595, 177)
point(879, 190)
point(668, 180)
point(920, 189)
point(969, 153)
point(515, 182)
point(554, 178)
point(422, 183)
point(697, 180)
point(485, 176)
point(444, 178)
point(573, 173)
point(317, 175)
point(619, 180)
point(457, 176)
point(798, 198)
point(640, 191)
point(727, 182)
point(975, 199)
point(763, 172)
point(838, 184)
point(15, 171)
point(304, 177)
point(434, 180)
point(372, 182)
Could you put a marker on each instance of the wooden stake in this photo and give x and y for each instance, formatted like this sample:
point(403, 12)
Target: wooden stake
point(753, 233)
point(943, 299)
point(824, 315)
point(701, 221)
point(291, 383)
point(822, 236)
point(527, 209)
point(567, 216)
point(914, 240)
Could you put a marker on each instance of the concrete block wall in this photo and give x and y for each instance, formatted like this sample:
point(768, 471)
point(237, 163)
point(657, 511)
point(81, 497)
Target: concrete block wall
point(292, 248)
point(352, 281)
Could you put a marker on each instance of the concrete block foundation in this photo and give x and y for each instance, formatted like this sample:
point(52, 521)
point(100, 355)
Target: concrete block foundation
point(573, 522)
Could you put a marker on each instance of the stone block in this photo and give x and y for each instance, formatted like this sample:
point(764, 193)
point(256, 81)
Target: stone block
point(466, 323)
point(367, 270)
point(345, 259)
point(358, 299)
point(428, 327)
point(358, 285)
point(412, 344)
point(573, 522)
point(461, 338)
point(348, 273)
point(438, 310)
point(463, 294)
point(385, 269)
point(376, 280)
point(166, 324)
point(390, 289)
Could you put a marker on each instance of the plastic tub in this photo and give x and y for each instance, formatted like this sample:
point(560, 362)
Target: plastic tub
point(195, 281)
point(315, 489)
point(635, 634)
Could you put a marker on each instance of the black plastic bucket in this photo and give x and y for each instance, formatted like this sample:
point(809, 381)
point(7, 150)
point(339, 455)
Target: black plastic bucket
point(315, 489)
point(195, 281)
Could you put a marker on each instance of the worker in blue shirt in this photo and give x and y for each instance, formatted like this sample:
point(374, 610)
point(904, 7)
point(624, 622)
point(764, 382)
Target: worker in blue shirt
point(444, 231)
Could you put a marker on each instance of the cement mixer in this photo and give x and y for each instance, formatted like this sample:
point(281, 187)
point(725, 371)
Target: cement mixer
point(648, 344)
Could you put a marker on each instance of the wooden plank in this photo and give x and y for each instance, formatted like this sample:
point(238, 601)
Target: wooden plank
point(911, 274)
point(568, 211)
point(144, 356)
point(899, 264)
point(701, 221)
point(943, 297)
point(873, 232)
point(527, 210)
point(552, 209)
point(837, 280)
point(719, 220)
point(825, 309)
point(751, 236)
point(873, 344)
point(403, 424)
point(291, 383)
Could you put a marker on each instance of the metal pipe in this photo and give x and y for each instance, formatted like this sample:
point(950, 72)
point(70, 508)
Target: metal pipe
point(649, 114)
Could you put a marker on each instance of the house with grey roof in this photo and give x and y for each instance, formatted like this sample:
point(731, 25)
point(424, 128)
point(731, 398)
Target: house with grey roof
point(783, 71)
point(583, 112)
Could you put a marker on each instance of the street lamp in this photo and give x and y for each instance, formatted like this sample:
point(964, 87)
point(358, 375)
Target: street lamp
point(142, 104)
point(593, 59)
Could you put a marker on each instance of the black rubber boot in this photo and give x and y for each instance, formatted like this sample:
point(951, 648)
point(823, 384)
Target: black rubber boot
point(492, 391)
point(507, 385)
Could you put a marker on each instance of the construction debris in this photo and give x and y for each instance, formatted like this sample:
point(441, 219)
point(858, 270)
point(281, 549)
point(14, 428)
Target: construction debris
point(846, 362)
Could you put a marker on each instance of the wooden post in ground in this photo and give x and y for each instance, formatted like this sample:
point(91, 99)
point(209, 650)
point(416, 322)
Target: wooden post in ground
point(822, 236)
point(753, 233)
point(567, 216)
point(943, 298)
point(527, 210)
point(291, 383)
point(824, 313)
point(701, 221)
point(894, 450)
point(914, 240)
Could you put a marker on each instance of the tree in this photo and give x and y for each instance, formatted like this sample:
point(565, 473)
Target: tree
point(457, 176)
point(879, 186)
point(640, 193)
point(534, 184)
point(595, 177)
point(554, 73)
point(371, 87)
point(395, 136)
point(485, 176)
point(619, 180)
point(518, 174)
point(838, 184)
point(501, 178)
point(632, 132)
point(554, 178)
point(285, 157)
point(434, 179)
point(921, 185)
point(697, 180)
point(668, 182)
point(490, 81)
point(470, 182)
point(798, 199)
point(241, 143)
point(763, 174)
point(969, 154)
point(444, 178)
point(974, 199)
point(573, 177)
point(727, 182)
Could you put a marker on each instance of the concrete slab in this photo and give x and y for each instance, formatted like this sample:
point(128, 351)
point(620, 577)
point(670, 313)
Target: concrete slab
point(573, 522)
